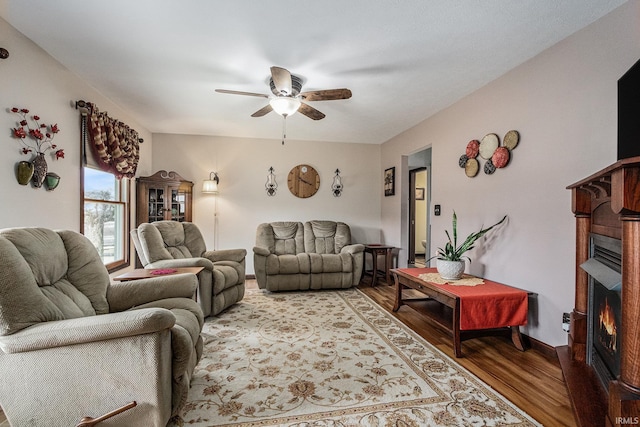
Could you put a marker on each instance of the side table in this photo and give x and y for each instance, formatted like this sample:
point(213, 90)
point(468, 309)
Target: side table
point(375, 250)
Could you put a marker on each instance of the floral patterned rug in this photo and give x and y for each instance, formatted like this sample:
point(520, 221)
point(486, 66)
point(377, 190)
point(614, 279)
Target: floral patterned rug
point(331, 358)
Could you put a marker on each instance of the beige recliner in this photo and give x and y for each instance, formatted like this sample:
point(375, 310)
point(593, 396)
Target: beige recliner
point(73, 344)
point(317, 255)
point(171, 244)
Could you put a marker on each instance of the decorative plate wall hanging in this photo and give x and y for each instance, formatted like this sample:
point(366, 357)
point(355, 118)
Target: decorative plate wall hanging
point(497, 156)
point(488, 145)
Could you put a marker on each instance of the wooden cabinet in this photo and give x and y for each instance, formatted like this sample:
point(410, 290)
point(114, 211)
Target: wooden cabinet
point(163, 196)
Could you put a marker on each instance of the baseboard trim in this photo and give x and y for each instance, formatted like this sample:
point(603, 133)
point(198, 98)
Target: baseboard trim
point(541, 347)
point(250, 276)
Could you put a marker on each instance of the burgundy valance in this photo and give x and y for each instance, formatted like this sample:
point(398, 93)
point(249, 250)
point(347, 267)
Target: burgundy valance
point(115, 146)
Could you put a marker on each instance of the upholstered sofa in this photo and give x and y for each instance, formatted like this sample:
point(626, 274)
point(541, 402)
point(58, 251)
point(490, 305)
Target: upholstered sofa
point(315, 255)
point(74, 345)
point(171, 244)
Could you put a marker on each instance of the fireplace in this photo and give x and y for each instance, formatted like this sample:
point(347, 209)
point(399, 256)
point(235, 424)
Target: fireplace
point(603, 368)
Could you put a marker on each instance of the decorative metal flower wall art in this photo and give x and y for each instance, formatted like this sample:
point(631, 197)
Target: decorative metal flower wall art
point(37, 139)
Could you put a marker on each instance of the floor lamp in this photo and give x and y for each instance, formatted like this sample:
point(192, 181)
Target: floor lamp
point(210, 186)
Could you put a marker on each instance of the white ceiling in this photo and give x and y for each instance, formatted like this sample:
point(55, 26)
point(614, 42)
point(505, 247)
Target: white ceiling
point(404, 60)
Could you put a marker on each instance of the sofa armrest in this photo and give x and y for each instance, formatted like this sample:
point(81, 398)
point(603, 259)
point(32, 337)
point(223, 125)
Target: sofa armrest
point(353, 249)
point(182, 262)
point(61, 333)
point(258, 250)
point(236, 255)
point(125, 295)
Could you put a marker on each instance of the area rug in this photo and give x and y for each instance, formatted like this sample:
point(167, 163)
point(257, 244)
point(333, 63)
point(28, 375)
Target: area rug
point(331, 358)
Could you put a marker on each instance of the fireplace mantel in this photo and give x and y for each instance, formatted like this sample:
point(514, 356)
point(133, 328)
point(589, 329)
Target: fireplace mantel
point(608, 203)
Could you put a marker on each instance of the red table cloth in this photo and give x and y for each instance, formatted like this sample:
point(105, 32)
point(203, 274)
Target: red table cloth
point(486, 306)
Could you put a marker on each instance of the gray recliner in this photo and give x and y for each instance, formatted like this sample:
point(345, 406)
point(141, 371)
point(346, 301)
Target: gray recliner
point(171, 244)
point(73, 344)
point(317, 255)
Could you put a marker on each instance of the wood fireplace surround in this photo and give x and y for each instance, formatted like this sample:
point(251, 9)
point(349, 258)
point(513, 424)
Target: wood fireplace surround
point(607, 203)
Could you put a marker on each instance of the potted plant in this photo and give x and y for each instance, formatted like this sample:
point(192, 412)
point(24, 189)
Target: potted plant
point(450, 260)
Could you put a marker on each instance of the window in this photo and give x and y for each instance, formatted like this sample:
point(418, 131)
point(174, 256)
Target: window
point(106, 216)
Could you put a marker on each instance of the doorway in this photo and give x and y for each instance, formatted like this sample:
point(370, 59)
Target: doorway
point(419, 202)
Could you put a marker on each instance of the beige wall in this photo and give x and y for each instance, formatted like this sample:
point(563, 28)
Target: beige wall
point(242, 165)
point(564, 104)
point(32, 79)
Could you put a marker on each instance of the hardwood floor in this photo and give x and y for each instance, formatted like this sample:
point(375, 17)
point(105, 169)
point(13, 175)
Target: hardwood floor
point(531, 380)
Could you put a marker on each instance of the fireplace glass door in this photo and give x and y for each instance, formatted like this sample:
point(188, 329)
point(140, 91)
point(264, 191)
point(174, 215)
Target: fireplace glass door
point(605, 308)
point(606, 324)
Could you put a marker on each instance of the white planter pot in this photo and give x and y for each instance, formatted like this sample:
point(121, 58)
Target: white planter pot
point(450, 270)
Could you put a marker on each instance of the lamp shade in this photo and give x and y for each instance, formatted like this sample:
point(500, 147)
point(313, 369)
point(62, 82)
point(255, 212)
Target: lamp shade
point(285, 105)
point(211, 185)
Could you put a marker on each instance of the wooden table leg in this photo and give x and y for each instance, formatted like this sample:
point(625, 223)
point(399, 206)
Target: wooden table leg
point(387, 260)
point(398, 302)
point(457, 347)
point(374, 273)
point(516, 337)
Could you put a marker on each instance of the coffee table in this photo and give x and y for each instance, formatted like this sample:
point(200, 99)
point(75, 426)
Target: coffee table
point(440, 297)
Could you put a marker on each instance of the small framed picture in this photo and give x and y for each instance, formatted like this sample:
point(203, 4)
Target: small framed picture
point(419, 193)
point(390, 181)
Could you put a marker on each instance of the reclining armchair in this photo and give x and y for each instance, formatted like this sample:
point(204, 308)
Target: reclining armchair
point(171, 244)
point(75, 345)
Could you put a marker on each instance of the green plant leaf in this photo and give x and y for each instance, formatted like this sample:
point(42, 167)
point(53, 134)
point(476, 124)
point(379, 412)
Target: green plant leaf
point(453, 252)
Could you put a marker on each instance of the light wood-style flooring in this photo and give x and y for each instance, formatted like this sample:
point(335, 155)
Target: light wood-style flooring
point(532, 380)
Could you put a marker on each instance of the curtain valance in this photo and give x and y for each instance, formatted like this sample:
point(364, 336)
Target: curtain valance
point(115, 146)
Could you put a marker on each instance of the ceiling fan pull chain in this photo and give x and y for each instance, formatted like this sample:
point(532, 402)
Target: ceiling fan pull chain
point(284, 128)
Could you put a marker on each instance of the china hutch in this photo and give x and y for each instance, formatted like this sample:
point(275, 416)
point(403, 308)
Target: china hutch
point(163, 196)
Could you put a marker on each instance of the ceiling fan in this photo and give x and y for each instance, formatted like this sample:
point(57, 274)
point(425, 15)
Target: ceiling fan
point(287, 98)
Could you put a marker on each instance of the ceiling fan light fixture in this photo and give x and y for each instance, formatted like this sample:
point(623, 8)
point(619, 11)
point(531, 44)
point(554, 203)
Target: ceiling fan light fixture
point(285, 105)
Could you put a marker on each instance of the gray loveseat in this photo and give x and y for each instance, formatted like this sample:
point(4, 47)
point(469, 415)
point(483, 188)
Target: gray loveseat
point(317, 255)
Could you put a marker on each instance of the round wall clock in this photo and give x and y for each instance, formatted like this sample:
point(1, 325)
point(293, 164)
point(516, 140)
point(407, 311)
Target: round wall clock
point(303, 181)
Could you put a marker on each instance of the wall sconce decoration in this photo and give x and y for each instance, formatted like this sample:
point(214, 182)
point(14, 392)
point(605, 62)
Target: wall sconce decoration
point(271, 185)
point(211, 185)
point(336, 187)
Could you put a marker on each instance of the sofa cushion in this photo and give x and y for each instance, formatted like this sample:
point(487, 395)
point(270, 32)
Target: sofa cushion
point(326, 237)
point(23, 303)
point(331, 263)
point(281, 238)
point(225, 275)
point(173, 236)
point(288, 264)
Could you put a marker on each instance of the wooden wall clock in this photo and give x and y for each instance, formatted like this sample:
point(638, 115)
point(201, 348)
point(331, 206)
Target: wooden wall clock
point(303, 181)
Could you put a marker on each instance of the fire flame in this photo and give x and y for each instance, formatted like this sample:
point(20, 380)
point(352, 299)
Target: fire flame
point(608, 326)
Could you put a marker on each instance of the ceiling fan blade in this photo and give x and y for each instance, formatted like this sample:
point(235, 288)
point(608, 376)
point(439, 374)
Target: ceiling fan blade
point(264, 110)
point(281, 80)
point(326, 95)
point(310, 112)
point(236, 92)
